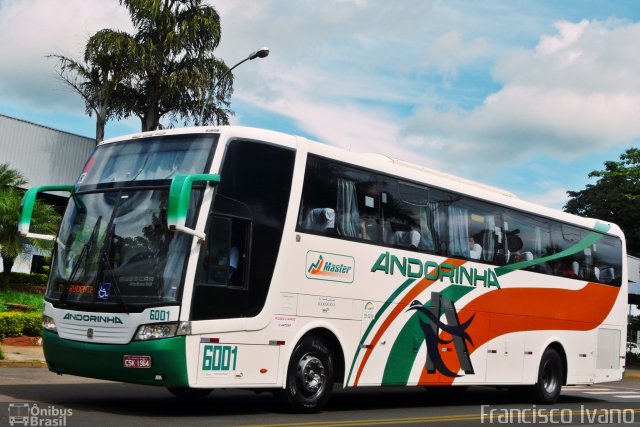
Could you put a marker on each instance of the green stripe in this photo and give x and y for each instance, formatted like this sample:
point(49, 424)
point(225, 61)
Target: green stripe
point(589, 240)
point(377, 317)
point(409, 341)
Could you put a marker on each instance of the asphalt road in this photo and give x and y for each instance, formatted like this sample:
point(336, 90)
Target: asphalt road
point(73, 401)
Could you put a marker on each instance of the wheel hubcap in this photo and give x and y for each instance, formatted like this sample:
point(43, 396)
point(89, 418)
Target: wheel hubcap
point(311, 374)
point(549, 378)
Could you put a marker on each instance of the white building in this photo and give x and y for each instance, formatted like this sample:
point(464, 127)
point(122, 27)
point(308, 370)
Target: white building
point(44, 156)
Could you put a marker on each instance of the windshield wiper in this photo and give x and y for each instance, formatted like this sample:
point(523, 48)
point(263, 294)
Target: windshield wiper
point(86, 248)
point(106, 263)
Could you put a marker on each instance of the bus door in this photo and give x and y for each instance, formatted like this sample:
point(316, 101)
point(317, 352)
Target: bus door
point(221, 292)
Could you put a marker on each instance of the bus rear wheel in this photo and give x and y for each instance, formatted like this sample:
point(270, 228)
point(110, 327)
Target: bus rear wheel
point(550, 378)
point(310, 376)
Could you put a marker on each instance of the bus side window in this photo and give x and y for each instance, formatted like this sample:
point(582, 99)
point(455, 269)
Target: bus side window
point(318, 206)
point(224, 258)
point(483, 241)
point(405, 215)
point(339, 201)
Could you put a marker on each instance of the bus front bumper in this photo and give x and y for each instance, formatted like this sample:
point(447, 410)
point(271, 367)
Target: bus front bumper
point(106, 361)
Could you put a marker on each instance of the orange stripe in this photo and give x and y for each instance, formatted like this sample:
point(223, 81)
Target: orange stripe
point(327, 273)
point(399, 308)
point(530, 309)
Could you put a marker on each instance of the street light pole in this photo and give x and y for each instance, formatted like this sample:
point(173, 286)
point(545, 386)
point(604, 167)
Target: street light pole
point(261, 53)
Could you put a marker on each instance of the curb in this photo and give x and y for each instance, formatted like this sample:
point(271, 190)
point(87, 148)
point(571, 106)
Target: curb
point(22, 364)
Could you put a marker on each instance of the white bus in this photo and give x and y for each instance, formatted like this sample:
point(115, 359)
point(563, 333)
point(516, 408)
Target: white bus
point(222, 257)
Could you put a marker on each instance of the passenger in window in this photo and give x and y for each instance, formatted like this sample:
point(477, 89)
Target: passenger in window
point(234, 257)
point(475, 250)
point(565, 270)
point(409, 239)
point(222, 265)
point(515, 257)
point(368, 213)
point(320, 219)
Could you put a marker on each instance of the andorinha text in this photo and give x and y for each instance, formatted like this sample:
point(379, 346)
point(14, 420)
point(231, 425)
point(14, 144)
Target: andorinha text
point(93, 318)
point(415, 268)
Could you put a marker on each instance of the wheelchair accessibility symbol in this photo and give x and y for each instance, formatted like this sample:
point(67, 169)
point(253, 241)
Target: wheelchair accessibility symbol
point(103, 291)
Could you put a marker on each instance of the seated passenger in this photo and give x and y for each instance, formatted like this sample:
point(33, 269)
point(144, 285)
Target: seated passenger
point(475, 250)
point(368, 228)
point(515, 256)
point(409, 238)
point(320, 219)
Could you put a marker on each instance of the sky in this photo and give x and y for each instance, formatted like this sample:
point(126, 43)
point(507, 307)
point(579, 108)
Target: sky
point(528, 96)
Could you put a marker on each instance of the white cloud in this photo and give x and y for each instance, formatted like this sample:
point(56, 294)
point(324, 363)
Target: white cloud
point(576, 92)
point(554, 198)
point(30, 30)
point(368, 74)
point(450, 51)
point(569, 33)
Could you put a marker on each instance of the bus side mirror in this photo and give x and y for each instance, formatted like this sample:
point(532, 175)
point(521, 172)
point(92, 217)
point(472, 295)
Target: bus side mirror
point(26, 209)
point(179, 198)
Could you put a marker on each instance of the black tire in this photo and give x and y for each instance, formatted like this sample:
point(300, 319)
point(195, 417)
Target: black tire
point(188, 393)
point(310, 376)
point(550, 378)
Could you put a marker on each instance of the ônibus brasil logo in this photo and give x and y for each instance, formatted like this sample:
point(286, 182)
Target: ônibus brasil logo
point(331, 267)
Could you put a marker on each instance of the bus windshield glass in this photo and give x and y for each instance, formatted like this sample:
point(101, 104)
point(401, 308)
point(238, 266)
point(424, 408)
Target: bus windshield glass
point(114, 248)
point(148, 159)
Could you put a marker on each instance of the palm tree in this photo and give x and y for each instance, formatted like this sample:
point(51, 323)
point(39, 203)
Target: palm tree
point(163, 70)
point(45, 219)
point(107, 63)
point(175, 41)
point(10, 177)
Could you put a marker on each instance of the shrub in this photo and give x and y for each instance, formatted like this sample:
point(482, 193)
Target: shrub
point(28, 279)
point(18, 324)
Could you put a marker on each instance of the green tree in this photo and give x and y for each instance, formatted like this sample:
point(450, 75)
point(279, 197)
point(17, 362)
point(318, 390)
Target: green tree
point(107, 63)
point(174, 63)
point(45, 219)
point(163, 70)
point(615, 197)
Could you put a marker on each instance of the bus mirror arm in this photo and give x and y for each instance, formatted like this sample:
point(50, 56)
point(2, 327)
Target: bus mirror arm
point(26, 209)
point(201, 236)
point(179, 199)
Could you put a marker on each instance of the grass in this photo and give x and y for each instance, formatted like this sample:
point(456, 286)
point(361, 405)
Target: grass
point(24, 298)
point(1, 355)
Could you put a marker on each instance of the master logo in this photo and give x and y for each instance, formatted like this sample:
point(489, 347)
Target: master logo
point(330, 267)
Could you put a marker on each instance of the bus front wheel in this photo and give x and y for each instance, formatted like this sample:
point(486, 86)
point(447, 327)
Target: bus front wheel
point(310, 376)
point(550, 378)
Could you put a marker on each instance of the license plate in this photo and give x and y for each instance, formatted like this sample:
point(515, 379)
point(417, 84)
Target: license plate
point(137, 361)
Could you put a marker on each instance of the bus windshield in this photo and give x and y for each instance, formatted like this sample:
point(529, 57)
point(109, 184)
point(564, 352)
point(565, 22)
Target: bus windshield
point(114, 248)
point(148, 159)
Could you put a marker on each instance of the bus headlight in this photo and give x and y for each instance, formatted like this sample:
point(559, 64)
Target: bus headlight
point(156, 331)
point(49, 324)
